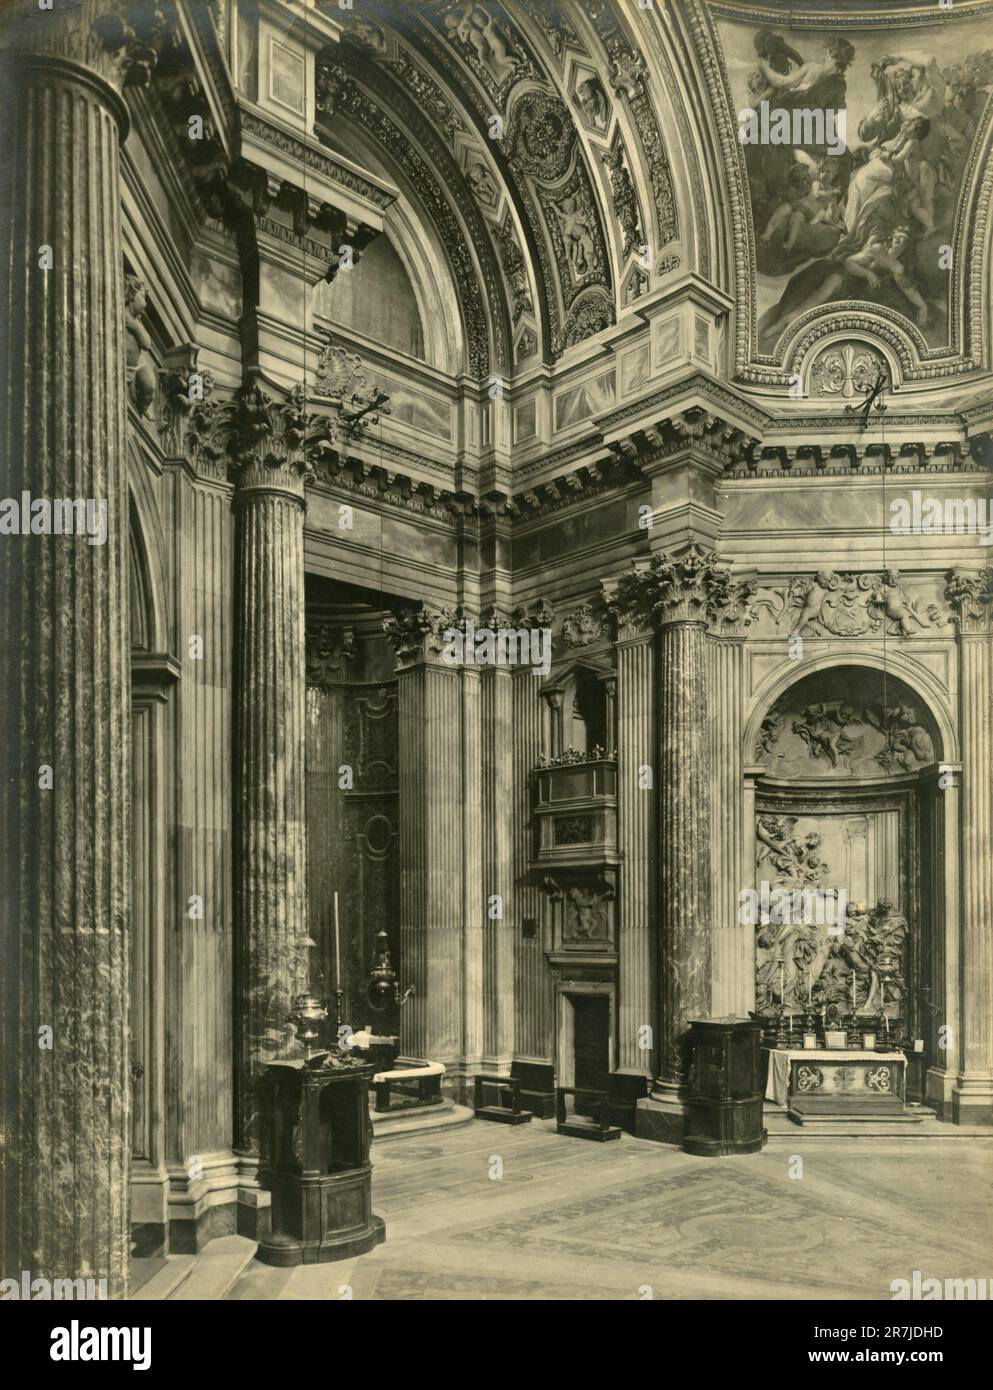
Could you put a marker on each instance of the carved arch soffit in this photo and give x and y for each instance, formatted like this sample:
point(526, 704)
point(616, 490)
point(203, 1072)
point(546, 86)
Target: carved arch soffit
point(533, 121)
point(860, 241)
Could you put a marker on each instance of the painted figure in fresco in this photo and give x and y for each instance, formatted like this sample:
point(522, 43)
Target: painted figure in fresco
point(812, 202)
point(785, 71)
point(867, 224)
point(876, 266)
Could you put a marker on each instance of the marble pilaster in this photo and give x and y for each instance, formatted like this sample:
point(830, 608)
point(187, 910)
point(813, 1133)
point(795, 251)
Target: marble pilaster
point(65, 1109)
point(496, 688)
point(636, 751)
point(733, 944)
point(431, 836)
point(475, 893)
point(972, 599)
point(533, 989)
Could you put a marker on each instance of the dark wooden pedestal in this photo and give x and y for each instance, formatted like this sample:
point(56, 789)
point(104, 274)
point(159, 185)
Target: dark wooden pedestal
point(315, 1160)
point(724, 1106)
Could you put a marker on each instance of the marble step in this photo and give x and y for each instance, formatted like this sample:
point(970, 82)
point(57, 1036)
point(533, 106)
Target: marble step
point(399, 1124)
point(216, 1269)
point(164, 1282)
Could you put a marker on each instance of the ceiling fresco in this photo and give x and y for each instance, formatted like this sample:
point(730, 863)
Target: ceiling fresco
point(864, 205)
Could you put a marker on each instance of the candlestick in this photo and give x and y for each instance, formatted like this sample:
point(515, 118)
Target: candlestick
point(337, 945)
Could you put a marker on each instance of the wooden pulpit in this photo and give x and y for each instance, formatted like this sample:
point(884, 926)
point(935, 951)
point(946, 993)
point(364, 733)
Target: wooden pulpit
point(314, 1158)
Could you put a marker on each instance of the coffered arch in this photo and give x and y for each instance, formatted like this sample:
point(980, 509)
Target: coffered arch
point(541, 132)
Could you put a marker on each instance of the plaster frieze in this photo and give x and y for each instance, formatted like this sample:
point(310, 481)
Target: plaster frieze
point(848, 604)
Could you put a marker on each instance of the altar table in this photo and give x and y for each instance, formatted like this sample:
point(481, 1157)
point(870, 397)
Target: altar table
point(845, 1075)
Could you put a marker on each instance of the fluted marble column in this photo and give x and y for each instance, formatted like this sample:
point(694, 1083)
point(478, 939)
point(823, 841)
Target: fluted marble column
point(65, 1060)
point(972, 597)
point(271, 938)
point(684, 830)
point(680, 591)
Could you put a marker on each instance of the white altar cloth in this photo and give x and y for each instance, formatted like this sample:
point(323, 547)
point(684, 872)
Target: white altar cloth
point(778, 1081)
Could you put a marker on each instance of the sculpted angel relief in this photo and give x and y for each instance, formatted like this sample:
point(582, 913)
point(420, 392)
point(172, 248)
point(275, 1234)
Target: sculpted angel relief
point(871, 219)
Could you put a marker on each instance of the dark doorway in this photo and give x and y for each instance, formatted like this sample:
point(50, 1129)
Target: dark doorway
point(591, 1014)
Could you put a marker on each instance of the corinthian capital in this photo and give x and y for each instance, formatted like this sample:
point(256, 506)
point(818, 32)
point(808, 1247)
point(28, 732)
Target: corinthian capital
point(970, 596)
point(273, 444)
point(418, 634)
point(118, 39)
point(687, 585)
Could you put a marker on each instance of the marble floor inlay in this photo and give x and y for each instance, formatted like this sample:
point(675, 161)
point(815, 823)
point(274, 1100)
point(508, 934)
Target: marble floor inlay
point(506, 1214)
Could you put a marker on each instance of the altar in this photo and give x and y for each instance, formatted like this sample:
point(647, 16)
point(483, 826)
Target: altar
point(835, 1081)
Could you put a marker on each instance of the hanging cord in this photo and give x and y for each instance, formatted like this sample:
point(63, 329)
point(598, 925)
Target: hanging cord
point(882, 442)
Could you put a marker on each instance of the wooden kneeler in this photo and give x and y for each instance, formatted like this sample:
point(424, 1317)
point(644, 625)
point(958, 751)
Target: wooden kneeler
point(580, 1127)
point(502, 1114)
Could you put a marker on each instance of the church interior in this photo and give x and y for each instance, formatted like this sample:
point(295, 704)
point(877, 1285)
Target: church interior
point(533, 681)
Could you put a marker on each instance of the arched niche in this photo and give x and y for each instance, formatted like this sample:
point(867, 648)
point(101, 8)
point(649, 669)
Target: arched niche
point(845, 723)
point(896, 667)
point(847, 828)
point(580, 708)
point(141, 612)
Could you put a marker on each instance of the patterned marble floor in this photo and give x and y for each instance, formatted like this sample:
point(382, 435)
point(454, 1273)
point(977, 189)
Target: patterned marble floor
point(569, 1219)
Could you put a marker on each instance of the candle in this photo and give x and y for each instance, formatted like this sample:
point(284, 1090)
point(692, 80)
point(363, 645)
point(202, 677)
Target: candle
point(853, 991)
point(782, 982)
point(810, 988)
point(337, 945)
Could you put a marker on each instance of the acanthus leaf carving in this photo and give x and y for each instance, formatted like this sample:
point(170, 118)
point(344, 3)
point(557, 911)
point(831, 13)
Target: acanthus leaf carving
point(970, 595)
point(418, 634)
point(689, 584)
